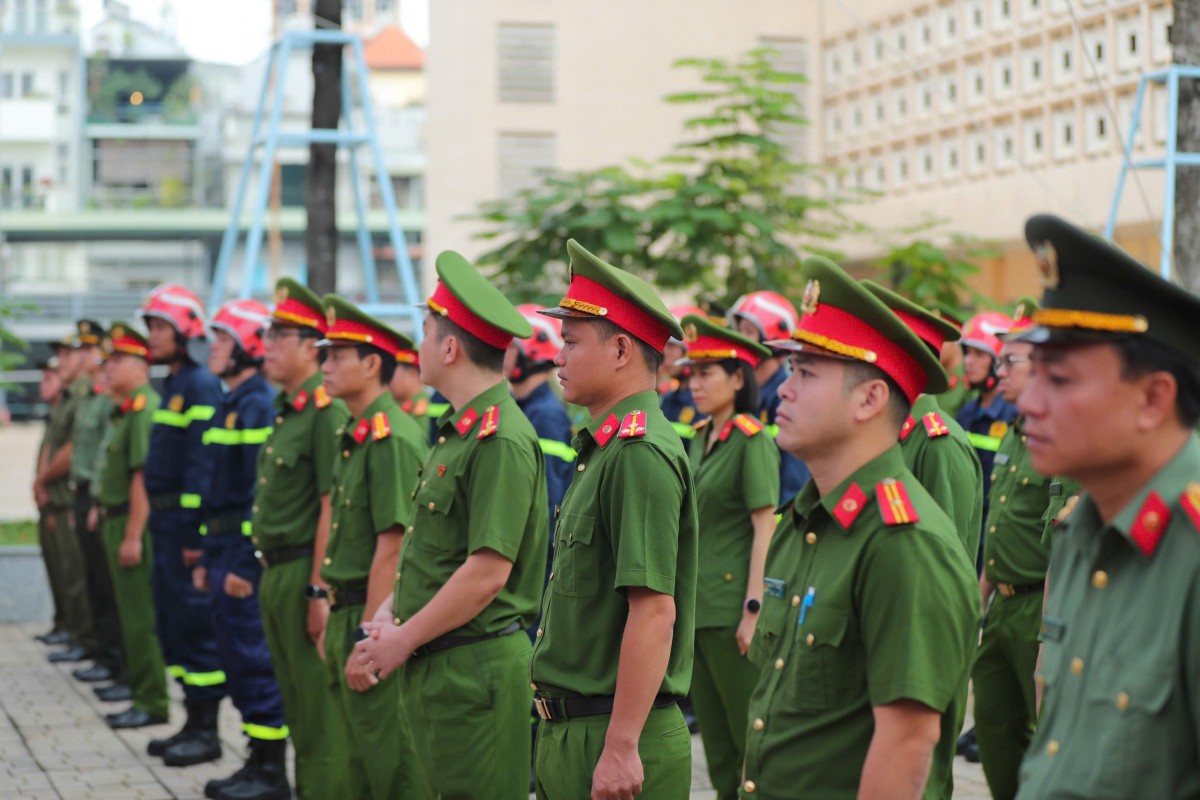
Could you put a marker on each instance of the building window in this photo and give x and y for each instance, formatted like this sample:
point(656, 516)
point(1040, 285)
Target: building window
point(949, 24)
point(1063, 60)
point(879, 50)
point(1001, 13)
point(26, 84)
point(64, 162)
point(900, 103)
point(524, 157)
point(1160, 28)
point(6, 85)
point(40, 20)
point(526, 63)
point(1128, 30)
point(949, 93)
point(974, 17)
point(879, 111)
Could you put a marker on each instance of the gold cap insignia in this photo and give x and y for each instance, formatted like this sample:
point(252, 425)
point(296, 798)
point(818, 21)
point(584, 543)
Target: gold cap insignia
point(1047, 262)
point(281, 294)
point(690, 334)
point(1019, 313)
point(330, 316)
point(118, 331)
point(812, 294)
point(85, 327)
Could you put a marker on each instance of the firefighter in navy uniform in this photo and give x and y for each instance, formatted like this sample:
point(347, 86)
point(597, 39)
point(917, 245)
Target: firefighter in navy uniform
point(674, 393)
point(177, 471)
point(228, 569)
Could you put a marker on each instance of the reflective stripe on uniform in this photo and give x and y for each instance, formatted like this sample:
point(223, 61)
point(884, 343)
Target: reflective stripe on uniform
point(684, 430)
point(265, 732)
point(981, 441)
point(176, 671)
point(247, 527)
point(553, 447)
point(181, 419)
point(203, 678)
point(226, 436)
point(435, 410)
point(189, 501)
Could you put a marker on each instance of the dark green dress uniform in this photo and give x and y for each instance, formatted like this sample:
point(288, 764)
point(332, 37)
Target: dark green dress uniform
point(128, 443)
point(1015, 561)
point(1120, 714)
point(628, 520)
point(738, 476)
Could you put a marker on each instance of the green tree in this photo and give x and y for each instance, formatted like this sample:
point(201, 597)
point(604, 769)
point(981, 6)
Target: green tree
point(935, 270)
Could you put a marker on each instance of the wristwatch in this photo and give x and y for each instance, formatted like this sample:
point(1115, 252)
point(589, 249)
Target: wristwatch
point(314, 591)
point(753, 606)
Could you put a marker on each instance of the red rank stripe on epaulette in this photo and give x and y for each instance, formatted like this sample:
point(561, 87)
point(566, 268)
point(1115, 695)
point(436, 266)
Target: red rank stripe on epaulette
point(322, 397)
point(466, 421)
point(849, 506)
point(633, 425)
point(894, 505)
point(381, 427)
point(1150, 523)
point(301, 400)
point(605, 432)
point(491, 422)
point(361, 430)
point(907, 427)
point(747, 424)
point(1190, 502)
point(935, 426)
point(725, 431)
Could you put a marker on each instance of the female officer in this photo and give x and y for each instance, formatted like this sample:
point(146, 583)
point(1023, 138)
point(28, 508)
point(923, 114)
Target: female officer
point(736, 470)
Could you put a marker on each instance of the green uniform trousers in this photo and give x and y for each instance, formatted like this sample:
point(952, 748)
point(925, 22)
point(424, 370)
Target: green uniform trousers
point(309, 706)
point(379, 758)
point(468, 710)
point(1005, 705)
point(64, 568)
point(722, 682)
point(144, 666)
point(567, 754)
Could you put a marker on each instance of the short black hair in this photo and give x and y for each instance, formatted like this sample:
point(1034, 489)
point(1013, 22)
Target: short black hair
point(479, 352)
point(858, 372)
point(1141, 356)
point(387, 361)
point(746, 399)
point(606, 330)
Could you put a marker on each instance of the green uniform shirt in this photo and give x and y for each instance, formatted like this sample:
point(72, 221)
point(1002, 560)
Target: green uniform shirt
point(128, 443)
point(739, 475)
point(947, 466)
point(951, 400)
point(295, 467)
point(377, 459)
point(1120, 716)
point(91, 420)
point(855, 617)
point(1012, 548)
point(60, 428)
point(483, 485)
point(628, 520)
point(1063, 491)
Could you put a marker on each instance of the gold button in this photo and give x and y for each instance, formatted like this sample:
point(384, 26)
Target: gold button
point(441, 440)
point(580, 467)
point(1076, 665)
point(728, 577)
point(424, 484)
point(749, 787)
point(335, 526)
point(262, 481)
point(1151, 520)
point(1122, 701)
point(328, 561)
point(1024, 481)
point(795, 600)
point(270, 450)
point(255, 540)
point(1040, 680)
point(810, 537)
point(395, 620)
point(759, 724)
point(810, 640)
point(397, 576)
point(992, 529)
point(1013, 468)
point(991, 562)
point(1024, 439)
point(1003, 498)
point(345, 454)
point(347, 502)
point(254, 509)
point(539, 633)
point(279, 420)
point(779, 663)
point(278, 462)
point(1052, 747)
point(432, 505)
point(1099, 579)
point(551, 577)
point(533, 686)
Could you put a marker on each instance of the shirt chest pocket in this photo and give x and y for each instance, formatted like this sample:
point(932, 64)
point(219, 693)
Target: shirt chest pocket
point(767, 630)
point(576, 567)
point(829, 671)
point(435, 500)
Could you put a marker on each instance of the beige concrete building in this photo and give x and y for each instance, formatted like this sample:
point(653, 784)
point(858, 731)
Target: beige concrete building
point(976, 111)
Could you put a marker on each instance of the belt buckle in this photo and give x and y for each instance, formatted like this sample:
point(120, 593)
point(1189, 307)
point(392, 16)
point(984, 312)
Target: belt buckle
point(262, 558)
point(332, 596)
point(1007, 589)
point(543, 708)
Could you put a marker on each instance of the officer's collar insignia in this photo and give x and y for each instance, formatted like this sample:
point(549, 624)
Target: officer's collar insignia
point(1190, 502)
point(441, 470)
point(633, 425)
point(690, 334)
point(935, 426)
point(605, 432)
point(231, 420)
point(321, 397)
point(361, 430)
point(281, 295)
point(894, 505)
point(1047, 263)
point(127, 405)
point(381, 426)
point(812, 294)
point(176, 403)
point(301, 400)
point(849, 506)
point(725, 431)
point(491, 422)
point(407, 406)
point(1150, 524)
point(330, 316)
point(466, 421)
point(907, 427)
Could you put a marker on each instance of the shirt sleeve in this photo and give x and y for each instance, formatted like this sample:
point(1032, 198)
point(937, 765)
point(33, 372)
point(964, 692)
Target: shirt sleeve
point(641, 498)
point(328, 420)
point(502, 471)
point(760, 472)
point(139, 436)
point(951, 473)
point(391, 465)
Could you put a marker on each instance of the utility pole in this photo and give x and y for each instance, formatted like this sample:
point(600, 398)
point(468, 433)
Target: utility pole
point(1185, 44)
point(321, 235)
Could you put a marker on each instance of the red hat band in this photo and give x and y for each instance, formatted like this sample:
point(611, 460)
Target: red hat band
point(344, 330)
point(710, 347)
point(924, 329)
point(296, 313)
point(445, 303)
point(588, 296)
point(130, 346)
point(830, 328)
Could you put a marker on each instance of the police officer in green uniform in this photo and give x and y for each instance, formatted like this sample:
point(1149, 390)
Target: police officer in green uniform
point(474, 557)
point(291, 532)
point(1113, 401)
point(619, 612)
point(736, 469)
point(951, 354)
point(870, 607)
point(379, 451)
point(124, 511)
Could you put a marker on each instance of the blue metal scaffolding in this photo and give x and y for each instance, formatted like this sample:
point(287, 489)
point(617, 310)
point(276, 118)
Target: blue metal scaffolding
point(1169, 161)
point(269, 141)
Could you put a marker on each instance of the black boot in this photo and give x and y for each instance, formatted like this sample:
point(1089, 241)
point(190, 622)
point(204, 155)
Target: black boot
point(202, 743)
point(266, 775)
point(159, 746)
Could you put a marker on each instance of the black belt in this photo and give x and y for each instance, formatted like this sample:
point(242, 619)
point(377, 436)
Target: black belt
point(282, 555)
point(561, 709)
point(80, 487)
point(165, 502)
point(450, 642)
point(1014, 589)
point(118, 510)
point(344, 598)
point(227, 523)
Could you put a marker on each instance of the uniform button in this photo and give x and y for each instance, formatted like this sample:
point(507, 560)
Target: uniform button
point(539, 633)
point(992, 529)
point(795, 600)
point(779, 663)
point(1013, 468)
point(1024, 439)
point(580, 467)
point(255, 540)
point(278, 462)
point(441, 440)
point(279, 420)
point(345, 454)
point(1024, 481)
point(749, 787)
point(1122, 701)
point(991, 562)
point(1003, 498)
point(328, 561)
point(1099, 579)
point(551, 577)
point(728, 577)
point(253, 508)
point(810, 640)
point(432, 505)
point(533, 686)
point(270, 450)
point(810, 537)
point(759, 724)
point(424, 484)
point(1052, 747)
point(395, 620)
point(335, 526)
point(347, 501)
point(262, 481)
point(1076, 665)
point(397, 576)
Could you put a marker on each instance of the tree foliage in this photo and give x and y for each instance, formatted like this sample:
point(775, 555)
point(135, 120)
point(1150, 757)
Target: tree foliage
point(934, 270)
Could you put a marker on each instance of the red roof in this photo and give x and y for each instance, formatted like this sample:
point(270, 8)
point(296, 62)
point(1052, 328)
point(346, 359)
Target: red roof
point(392, 49)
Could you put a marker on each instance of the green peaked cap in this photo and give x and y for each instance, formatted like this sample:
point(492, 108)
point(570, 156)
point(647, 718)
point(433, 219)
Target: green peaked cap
point(931, 328)
point(474, 304)
point(348, 324)
point(87, 332)
point(623, 299)
point(705, 338)
point(1095, 291)
point(840, 317)
point(124, 331)
point(288, 293)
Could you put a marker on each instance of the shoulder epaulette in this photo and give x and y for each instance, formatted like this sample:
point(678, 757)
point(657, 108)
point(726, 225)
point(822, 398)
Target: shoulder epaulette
point(1190, 501)
point(894, 505)
point(633, 425)
point(381, 428)
point(490, 424)
point(747, 424)
point(1150, 523)
point(139, 402)
point(321, 397)
point(935, 426)
point(421, 408)
point(702, 424)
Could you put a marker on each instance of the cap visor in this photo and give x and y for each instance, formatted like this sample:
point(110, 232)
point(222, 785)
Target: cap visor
point(793, 346)
point(567, 313)
point(1041, 334)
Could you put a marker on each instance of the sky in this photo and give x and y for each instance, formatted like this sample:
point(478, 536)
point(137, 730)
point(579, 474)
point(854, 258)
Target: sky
point(206, 31)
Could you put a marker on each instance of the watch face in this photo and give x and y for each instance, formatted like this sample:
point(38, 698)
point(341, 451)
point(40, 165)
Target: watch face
point(753, 606)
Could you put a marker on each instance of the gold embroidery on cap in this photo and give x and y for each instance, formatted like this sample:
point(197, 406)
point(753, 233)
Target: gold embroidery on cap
point(690, 334)
point(1091, 320)
point(579, 305)
point(812, 294)
point(330, 316)
point(281, 294)
point(1047, 261)
point(438, 307)
point(834, 346)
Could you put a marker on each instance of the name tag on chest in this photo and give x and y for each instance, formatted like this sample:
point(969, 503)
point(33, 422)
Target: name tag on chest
point(773, 587)
point(1001, 458)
